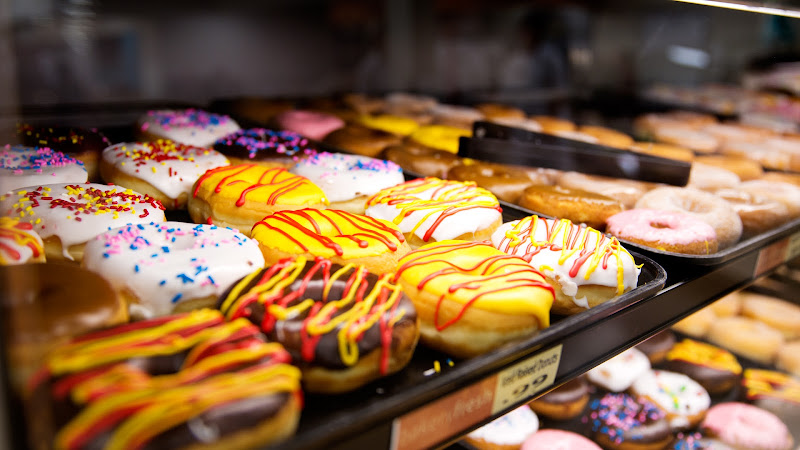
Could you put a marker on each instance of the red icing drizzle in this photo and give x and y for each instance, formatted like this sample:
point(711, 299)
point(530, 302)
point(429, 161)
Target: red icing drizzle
point(269, 178)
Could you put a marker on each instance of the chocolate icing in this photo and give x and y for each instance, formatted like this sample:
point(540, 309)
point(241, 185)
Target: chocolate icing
point(63, 139)
point(264, 145)
point(715, 381)
point(630, 419)
point(569, 392)
point(657, 346)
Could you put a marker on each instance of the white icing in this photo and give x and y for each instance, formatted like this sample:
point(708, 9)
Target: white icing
point(345, 177)
point(618, 373)
point(27, 166)
point(166, 263)
point(512, 429)
point(678, 395)
point(66, 212)
point(170, 169)
point(183, 126)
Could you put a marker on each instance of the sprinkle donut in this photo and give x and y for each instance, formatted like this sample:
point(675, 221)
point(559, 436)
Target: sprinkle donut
point(189, 126)
point(265, 147)
point(66, 216)
point(27, 166)
point(684, 400)
point(669, 231)
point(19, 244)
point(164, 170)
point(745, 426)
point(81, 144)
point(168, 267)
point(620, 421)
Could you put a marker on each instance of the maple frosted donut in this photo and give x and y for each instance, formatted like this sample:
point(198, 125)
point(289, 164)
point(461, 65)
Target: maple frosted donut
point(717, 370)
point(507, 432)
point(746, 426)
point(188, 126)
point(621, 421)
point(618, 373)
point(684, 400)
point(472, 298)
point(585, 267)
point(362, 140)
point(66, 216)
point(28, 166)
point(507, 183)
point(439, 137)
point(241, 195)
point(171, 267)
point(311, 124)
point(19, 244)
point(577, 205)
point(337, 235)
point(343, 325)
point(79, 143)
point(421, 160)
point(185, 381)
point(626, 192)
point(265, 147)
point(429, 209)
point(349, 180)
point(670, 231)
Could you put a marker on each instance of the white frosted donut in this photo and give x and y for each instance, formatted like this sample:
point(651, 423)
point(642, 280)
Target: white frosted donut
point(171, 266)
point(26, 166)
point(618, 373)
point(707, 207)
point(188, 126)
point(511, 429)
point(682, 398)
point(706, 177)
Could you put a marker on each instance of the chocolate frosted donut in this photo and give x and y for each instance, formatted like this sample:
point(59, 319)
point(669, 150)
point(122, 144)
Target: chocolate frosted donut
point(717, 370)
point(565, 402)
point(657, 346)
point(620, 421)
point(265, 147)
point(343, 325)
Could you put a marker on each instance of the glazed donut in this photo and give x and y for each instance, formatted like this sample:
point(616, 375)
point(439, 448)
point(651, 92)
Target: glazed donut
point(361, 140)
point(395, 125)
point(745, 426)
point(727, 306)
point(758, 213)
point(688, 137)
point(507, 183)
point(164, 170)
point(421, 160)
point(565, 402)
point(184, 381)
point(311, 124)
point(697, 324)
point(343, 325)
point(702, 205)
point(265, 147)
point(769, 154)
point(558, 439)
point(585, 267)
point(22, 167)
point(492, 111)
point(191, 126)
point(507, 432)
point(607, 136)
point(438, 137)
point(789, 358)
point(618, 373)
point(657, 346)
point(44, 305)
point(342, 237)
point(663, 150)
point(746, 337)
point(669, 231)
point(626, 192)
point(430, 209)
point(785, 193)
point(455, 116)
point(684, 400)
point(81, 144)
point(66, 216)
point(552, 124)
point(19, 244)
point(239, 196)
point(620, 421)
point(576, 205)
point(711, 178)
point(717, 370)
point(472, 298)
point(745, 169)
point(779, 314)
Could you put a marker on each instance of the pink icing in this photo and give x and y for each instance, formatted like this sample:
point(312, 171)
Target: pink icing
point(672, 227)
point(746, 426)
point(558, 440)
point(310, 124)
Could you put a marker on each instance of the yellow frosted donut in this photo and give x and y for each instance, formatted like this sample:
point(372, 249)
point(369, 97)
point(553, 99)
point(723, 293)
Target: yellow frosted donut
point(400, 126)
point(19, 244)
point(439, 137)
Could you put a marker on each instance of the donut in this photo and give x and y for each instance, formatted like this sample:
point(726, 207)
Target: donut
point(717, 370)
point(620, 421)
point(607, 136)
point(791, 178)
point(79, 143)
point(191, 126)
point(726, 132)
point(552, 124)
point(769, 389)
point(19, 244)
point(361, 140)
point(585, 267)
point(507, 432)
point(164, 170)
point(684, 400)
point(311, 124)
point(575, 136)
point(66, 216)
point(265, 147)
point(746, 337)
point(492, 111)
point(684, 136)
point(429, 209)
point(22, 167)
point(565, 402)
point(663, 150)
point(702, 205)
point(696, 441)
point(421, 160)
point(342, 237)
point(711, 178)
point(789, 357)
point(44, 305)
point(395, 125)
point(757, 213)
point(771, 154)
point(670, 231)
point(785, 193)
point(348, 180)
point(779, 314)
point(241, 195)
point(507, 183)
point(744, 168)
point(745, 426)
point(618, 373)
point(363, 104)
point(472, 298)
point(343, 325)
point(258, 110)
point(576, 205)
point(522, 123)
point(697, 324)
point(626, 192)
point(405, 103)
point(693, 119)
point(558, 439)
point(438, 137)
point(455, 116)
point(657, 346)
point(184, 381)
point(729, 305)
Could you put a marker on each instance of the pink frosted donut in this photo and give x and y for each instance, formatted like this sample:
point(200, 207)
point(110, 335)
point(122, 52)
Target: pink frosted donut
point(311, 124)
point(745, 426)
point(558, 440)
point(664, 230)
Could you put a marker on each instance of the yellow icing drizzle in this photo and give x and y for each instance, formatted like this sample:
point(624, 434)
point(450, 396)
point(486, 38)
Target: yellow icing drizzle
point(704, 354)
point(401, 126)
point(440, 137)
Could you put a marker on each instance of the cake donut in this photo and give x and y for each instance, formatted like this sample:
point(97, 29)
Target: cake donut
point(620, 421)
point(618, 373)
point(472, 298)
point(779, 314)
point(657, 346)
point(745, 426)
point(585, 267)
point(684, 400)
point(670, 231)
point(362, 140)
point(507, 432)
point(343, 325)
point(311, 124)
point(79, 143)
point(576, 205)
point(717, 370)
point(439, 137)
point(565, 402)
point(746, 337)
point(420, 160)
point(188, 126)
point(348, 180)
point(241, 195)
point(265, 147)
point(558, 440)
point(28, 166)
point(184, 381)
point(19, 244)
point(507, 183)
point(337, 235)
point(66, 216)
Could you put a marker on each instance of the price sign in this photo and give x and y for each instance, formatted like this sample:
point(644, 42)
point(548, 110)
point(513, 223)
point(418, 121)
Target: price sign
point(793, 250)
point(526, 378)
point(771, 256)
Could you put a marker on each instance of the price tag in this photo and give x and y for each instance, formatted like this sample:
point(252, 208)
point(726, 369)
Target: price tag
point(526, 378)
point(771, 257)
point(793, 250)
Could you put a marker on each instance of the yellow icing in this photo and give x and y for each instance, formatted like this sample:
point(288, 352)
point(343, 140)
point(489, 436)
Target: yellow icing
point(259, 185)
point(440, 137)
point(704, 354)
point(401, 126)
point(769, 383)
point(10, 229)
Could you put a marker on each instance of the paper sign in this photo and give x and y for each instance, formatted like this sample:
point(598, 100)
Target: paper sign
point(526, 378)
point(771, 256)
